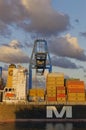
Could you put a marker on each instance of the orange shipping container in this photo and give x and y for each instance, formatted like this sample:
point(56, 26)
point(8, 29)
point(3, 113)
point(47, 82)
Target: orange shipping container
point(76, 86)
point(74, 82)
point(51, 99)
point(75, 91)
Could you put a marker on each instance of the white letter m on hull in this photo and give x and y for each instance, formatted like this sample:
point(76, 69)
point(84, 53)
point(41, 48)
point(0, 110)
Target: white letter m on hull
point(50, 110)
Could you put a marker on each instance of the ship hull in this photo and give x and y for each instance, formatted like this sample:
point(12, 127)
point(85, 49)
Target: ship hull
point(45, 113)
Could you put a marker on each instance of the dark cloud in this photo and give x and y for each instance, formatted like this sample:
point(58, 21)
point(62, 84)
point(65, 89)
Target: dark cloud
point(66, 46)
point(64, 63)
point(44, 19)
point(34, 16)
point(83, 34)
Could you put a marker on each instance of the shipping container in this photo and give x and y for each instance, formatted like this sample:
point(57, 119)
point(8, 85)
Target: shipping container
point(51, 99)
point(74, 83)
point(61, 95)
point(75, 90)
point(59, 99)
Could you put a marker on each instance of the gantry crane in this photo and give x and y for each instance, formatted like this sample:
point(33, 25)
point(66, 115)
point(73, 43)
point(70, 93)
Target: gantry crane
point(40, 59)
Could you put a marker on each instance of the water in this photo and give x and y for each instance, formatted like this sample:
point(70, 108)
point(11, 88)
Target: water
point(42, 126)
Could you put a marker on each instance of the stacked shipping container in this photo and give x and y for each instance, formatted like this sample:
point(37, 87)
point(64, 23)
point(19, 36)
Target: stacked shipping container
point(61, 96)
point(51, 87)
point(36, 94)
point(55, 87)
point(75, 91)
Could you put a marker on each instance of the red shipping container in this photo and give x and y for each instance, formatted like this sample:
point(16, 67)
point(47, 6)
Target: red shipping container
point(61, 95)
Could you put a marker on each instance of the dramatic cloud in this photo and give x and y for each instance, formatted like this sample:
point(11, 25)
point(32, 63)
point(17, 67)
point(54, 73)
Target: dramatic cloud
point(67, 46)
point(12, 53)
point(36, 16)
point(83, 34)
point(64, 63)
point(44, 19)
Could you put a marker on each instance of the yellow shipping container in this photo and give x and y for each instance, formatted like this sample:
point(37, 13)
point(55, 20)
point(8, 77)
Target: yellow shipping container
point(50, 83)
point(60, 91)
point(72, 101)
point(51, 88)
point(33, 90)
point(59, 84)
point(80, 94)
point(50, 79)
point(53, 74)
point(59, 78)
point(71, 94)
point(40, 90)
point(32, 94)
point(61, 98)
point(71, 97)
point(40, 95)
point(37, 91)
point(80, 98)
point(51, 94)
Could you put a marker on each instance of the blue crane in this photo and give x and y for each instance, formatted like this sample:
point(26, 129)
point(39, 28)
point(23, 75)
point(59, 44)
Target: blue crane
point(40, 59)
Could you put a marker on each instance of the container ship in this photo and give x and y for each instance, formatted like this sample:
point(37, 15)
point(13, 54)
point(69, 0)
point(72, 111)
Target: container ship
point(52, 99)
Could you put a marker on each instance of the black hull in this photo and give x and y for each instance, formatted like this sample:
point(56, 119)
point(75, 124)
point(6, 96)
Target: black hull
point(40, 113)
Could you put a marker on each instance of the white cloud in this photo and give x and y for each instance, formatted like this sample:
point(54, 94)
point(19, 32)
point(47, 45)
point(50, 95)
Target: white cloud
point(12, 54)
point(67, 46)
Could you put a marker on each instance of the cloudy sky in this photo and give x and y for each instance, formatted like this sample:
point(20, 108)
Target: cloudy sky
point(61, 23)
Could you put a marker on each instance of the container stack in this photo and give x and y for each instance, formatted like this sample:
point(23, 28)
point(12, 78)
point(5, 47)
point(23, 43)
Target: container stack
point(55, 87)
point(61, 94)
point(36, 94)
point(75, 91)
point(60, 88)
point(51, 87)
